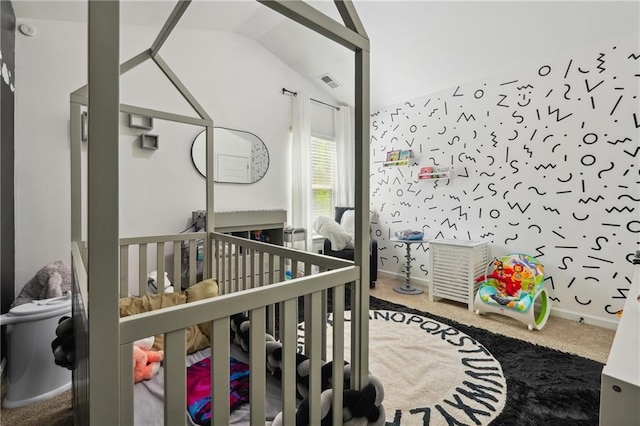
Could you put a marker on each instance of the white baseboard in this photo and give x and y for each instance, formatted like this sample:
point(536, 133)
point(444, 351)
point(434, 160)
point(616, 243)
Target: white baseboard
point(587, 319)
point(416, 282)
point(556, 312)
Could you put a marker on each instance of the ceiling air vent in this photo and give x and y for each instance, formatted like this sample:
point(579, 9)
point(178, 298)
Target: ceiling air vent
point(329, 81)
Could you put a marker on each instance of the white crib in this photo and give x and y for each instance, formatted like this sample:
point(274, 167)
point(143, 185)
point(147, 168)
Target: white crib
point(250, 274)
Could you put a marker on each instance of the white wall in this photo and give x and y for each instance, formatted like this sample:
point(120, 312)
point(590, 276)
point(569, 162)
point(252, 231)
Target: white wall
point(236, 81)
point(545, 161)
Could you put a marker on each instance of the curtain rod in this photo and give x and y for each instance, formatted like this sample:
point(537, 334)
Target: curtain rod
point(294, 94)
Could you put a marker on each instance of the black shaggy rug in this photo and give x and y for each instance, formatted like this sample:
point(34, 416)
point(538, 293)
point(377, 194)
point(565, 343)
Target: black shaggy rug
point(544, 386)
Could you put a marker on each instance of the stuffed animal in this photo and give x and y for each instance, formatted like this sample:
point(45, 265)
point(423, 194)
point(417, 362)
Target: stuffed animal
point(359, 407)
point(146, 362)
point(53, 280)
point(62, 345)
point(152, 283)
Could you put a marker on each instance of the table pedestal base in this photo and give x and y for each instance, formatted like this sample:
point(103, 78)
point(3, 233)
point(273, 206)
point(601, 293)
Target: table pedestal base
point(404, 289)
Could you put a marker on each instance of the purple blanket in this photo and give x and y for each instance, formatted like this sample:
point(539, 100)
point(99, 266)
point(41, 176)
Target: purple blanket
point(199, 388)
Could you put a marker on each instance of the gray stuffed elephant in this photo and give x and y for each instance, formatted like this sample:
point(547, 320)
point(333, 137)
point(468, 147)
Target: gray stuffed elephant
point(53, 280)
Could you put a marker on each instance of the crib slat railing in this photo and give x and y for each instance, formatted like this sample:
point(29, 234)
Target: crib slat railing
point(217, 310)
point(193, 250)
point(258, 374)
point(271, 309)
point(338, 350)
point(261, 257)
point(177, 275)
point(145, 245)
point(314, 352)
point(175, 378)
point(221, 268)
point(142, 268)
point(220, 371)
point(160, 267)
point(282, 268)
point(288, 328)
point(124, 271)
point(253, 248)
point(181, 316)
point(126, 385)
point(256, 264)
point(241, 280)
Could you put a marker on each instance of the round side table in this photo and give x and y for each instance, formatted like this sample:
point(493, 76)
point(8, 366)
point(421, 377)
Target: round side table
point(407, 288)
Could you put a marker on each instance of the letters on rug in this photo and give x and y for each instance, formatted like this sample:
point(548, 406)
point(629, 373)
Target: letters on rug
point(543, 385)
point(431, 372)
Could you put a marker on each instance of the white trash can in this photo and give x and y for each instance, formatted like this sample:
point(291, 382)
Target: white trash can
point(32, 374)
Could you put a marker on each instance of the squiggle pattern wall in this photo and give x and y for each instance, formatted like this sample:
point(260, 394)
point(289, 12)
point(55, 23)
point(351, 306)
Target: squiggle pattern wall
point(545, 162)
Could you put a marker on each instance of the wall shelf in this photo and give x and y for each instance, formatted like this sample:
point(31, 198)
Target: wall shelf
point(148, 141)
point(398, 157)
point(435, 173)
point(140, 122)
point(394, 163)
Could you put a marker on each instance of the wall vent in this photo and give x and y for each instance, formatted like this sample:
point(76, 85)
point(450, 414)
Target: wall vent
point(329, 81)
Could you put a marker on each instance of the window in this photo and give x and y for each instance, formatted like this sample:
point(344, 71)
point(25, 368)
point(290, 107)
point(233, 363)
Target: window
point(323, 176)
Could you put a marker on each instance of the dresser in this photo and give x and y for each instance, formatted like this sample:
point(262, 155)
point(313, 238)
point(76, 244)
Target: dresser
point(241, 223)
point(260, 225)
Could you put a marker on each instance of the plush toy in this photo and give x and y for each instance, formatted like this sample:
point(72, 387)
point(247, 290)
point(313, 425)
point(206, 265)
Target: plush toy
point(146, 362)
point(359, 407)
point(152, 283)
point(62, 345)
point(52, 280)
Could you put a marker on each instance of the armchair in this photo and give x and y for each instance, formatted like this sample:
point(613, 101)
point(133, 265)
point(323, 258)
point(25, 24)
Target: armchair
point(349, 254)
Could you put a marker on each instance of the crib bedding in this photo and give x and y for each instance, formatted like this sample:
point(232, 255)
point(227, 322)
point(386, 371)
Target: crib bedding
point(149, 403)
point(199, 388)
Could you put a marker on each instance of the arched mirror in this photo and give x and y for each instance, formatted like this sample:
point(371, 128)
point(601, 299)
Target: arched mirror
point(239, 157)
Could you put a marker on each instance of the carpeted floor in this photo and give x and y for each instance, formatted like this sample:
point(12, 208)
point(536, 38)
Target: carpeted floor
point(534, 401)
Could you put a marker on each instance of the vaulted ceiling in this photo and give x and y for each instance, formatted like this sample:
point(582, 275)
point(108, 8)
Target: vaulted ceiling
point(417, 47)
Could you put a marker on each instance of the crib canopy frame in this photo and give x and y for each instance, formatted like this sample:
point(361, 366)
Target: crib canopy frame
point(101, 98)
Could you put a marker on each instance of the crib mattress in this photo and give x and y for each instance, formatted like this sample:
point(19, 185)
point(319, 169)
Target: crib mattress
point(149, 402)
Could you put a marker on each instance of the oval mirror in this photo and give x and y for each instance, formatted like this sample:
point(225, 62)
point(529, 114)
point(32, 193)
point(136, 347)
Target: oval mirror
point(239, 156)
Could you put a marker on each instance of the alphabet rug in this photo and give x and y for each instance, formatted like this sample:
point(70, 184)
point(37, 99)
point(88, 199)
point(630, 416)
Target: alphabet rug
point(439, 372)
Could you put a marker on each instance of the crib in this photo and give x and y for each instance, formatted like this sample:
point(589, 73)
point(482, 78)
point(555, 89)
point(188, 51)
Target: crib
point(250, 274)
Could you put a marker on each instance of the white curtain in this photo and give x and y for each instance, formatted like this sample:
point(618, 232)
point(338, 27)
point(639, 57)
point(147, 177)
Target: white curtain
point(301, 194)
point(345, 153)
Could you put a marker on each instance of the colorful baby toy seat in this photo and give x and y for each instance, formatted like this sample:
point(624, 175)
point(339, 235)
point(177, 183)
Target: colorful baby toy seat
point(513, 288)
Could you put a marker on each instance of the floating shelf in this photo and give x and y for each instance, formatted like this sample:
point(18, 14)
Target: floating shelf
point(395, 163)
point(148, 141)
point(435, 173)
point(140, 122)
point(398, 157)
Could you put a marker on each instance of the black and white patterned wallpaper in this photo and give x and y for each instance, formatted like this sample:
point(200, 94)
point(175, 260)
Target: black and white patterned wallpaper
point(259, 159)
point(545, 161)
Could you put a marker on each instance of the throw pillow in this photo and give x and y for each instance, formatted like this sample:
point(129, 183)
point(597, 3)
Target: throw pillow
point(197, 339)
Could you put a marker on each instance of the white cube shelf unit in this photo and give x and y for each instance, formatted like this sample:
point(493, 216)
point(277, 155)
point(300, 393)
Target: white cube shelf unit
point(454, 266)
